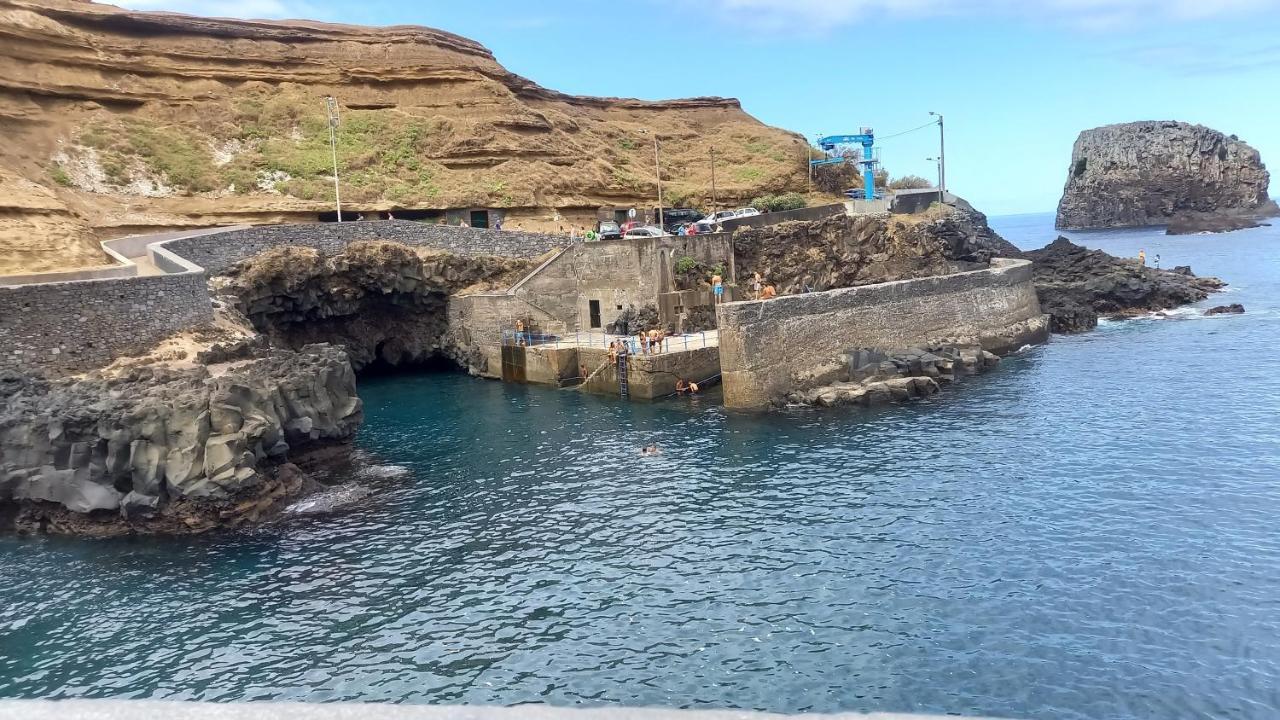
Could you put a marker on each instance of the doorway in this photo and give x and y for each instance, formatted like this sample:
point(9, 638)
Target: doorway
point(479, 218)
point(593, 306)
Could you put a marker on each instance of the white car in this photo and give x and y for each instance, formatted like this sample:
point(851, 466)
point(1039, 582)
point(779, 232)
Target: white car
point(719, 216)
point(746, 212)
point(644, 231)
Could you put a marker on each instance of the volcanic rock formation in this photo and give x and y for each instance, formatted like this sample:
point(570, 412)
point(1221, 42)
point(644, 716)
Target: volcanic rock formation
point(377, 300)
point(1145, 173)
point(844, 251)
point(1076, 285)
point(156, 449)
point(134, 120)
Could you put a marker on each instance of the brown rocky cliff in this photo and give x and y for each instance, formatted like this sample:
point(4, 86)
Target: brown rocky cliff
point(135, 121)
point(1144, 173)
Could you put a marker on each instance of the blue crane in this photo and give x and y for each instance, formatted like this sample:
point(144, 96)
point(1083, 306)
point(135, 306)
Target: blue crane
point(867, 139)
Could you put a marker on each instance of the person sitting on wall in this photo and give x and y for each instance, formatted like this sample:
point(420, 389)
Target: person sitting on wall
point(769, 292)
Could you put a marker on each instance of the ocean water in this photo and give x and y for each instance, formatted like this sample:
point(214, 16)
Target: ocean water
point(1088, 532)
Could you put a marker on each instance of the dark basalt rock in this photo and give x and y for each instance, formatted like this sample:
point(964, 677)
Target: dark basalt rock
point(151, 449)
point(1190, 223)
point(1232, 309)
point(1076, 285)
point(1146, 173)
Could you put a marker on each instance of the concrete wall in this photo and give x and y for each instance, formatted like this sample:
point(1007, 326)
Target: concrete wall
point(772, 347)
point(622, 273)
point(71, 326)
point(219, 251)
point(78, 323)
point(764, 220)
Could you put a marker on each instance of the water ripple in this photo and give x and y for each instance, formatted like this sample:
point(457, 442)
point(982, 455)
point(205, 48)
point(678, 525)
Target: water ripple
point(1086, 533)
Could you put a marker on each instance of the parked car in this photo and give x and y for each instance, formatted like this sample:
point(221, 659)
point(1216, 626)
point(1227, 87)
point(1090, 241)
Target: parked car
point(719, 216)
point(644, 231)
point(857, 194)
point(705, 227)
point(673, 218)
point(608, 230)
point(746, 212)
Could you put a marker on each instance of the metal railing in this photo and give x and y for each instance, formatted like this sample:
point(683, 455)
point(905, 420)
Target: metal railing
point(634, 345)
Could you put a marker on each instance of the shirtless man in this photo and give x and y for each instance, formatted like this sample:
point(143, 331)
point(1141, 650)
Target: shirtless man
point(768, 293)
point(717, 286)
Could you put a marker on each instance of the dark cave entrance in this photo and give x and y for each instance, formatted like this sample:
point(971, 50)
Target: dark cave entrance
point(381, 367)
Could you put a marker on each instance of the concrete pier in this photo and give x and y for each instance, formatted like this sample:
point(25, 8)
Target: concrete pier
point(582, 359)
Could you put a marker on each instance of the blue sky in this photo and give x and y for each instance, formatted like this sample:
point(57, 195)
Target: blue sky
point(1016, 80)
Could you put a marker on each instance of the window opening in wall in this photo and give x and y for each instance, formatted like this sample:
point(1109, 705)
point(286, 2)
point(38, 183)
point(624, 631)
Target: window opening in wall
point(594, 308)
point(479, 218)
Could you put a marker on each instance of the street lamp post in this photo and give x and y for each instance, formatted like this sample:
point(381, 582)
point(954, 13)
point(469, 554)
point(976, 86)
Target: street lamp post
point(657, 171)
point(331, 107)
point(938, 161)
point(942, 155)
point(713, 180)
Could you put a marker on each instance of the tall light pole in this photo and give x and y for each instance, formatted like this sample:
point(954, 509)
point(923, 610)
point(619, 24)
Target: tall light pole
point(331, 107)
point(657, 171)
point(938, 160)
point(713, 180)
point(942, 156)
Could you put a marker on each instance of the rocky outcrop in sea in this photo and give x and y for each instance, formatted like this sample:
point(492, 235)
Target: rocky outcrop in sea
point(1152, 173)
point(150, 448)
point(1076, 285)
point(875, 377)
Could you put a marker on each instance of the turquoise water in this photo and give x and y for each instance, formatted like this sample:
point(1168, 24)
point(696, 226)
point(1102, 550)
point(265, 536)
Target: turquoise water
point(1089, 532)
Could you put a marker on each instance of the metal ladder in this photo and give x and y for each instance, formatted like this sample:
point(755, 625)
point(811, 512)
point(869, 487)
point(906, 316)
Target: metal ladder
point(623, 389)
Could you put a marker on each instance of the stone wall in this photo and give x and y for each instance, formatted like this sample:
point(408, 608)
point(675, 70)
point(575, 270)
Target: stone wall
point(772, 347)
point(71, 326)
point(218, 252)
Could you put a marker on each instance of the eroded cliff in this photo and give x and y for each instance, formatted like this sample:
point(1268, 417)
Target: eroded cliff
point(154, 448)
point(134, 120)
point(378, 300)
point(1146, 173)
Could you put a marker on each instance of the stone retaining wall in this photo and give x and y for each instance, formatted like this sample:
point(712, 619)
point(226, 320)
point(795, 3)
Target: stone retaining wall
point(71, 326)
point(772, 347)
point(218, 252)
point(79, 324)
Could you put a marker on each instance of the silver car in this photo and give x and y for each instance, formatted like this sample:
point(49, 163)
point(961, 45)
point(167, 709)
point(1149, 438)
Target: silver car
point(644, 231)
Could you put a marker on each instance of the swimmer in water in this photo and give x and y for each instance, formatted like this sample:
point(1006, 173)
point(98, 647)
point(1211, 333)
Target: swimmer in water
point(650, 450)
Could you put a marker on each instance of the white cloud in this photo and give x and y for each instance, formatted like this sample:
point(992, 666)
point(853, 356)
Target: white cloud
point(244, 9)
point(1093, 14)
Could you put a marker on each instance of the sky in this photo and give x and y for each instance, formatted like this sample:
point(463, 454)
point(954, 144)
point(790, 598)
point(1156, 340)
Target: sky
point(1016, 80)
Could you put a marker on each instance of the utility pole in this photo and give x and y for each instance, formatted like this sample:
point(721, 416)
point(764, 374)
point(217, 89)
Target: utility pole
point(938, 161)
point(942, 156)
point(809, 147)
point(713, 180)
point(331, 107)
point(657, 170)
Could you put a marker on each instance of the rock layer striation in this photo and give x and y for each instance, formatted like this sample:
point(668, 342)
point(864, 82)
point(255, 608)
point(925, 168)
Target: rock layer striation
point(1145, 173)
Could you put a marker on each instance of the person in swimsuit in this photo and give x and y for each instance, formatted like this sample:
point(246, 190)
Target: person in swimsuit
point(717, 286)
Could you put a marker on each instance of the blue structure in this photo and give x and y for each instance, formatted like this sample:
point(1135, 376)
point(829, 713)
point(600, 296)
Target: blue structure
point(867, 138)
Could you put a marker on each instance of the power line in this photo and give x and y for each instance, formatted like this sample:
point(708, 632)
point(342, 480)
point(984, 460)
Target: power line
point(882, 138)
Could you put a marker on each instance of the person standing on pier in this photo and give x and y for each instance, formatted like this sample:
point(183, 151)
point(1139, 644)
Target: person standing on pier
point(717, 287)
